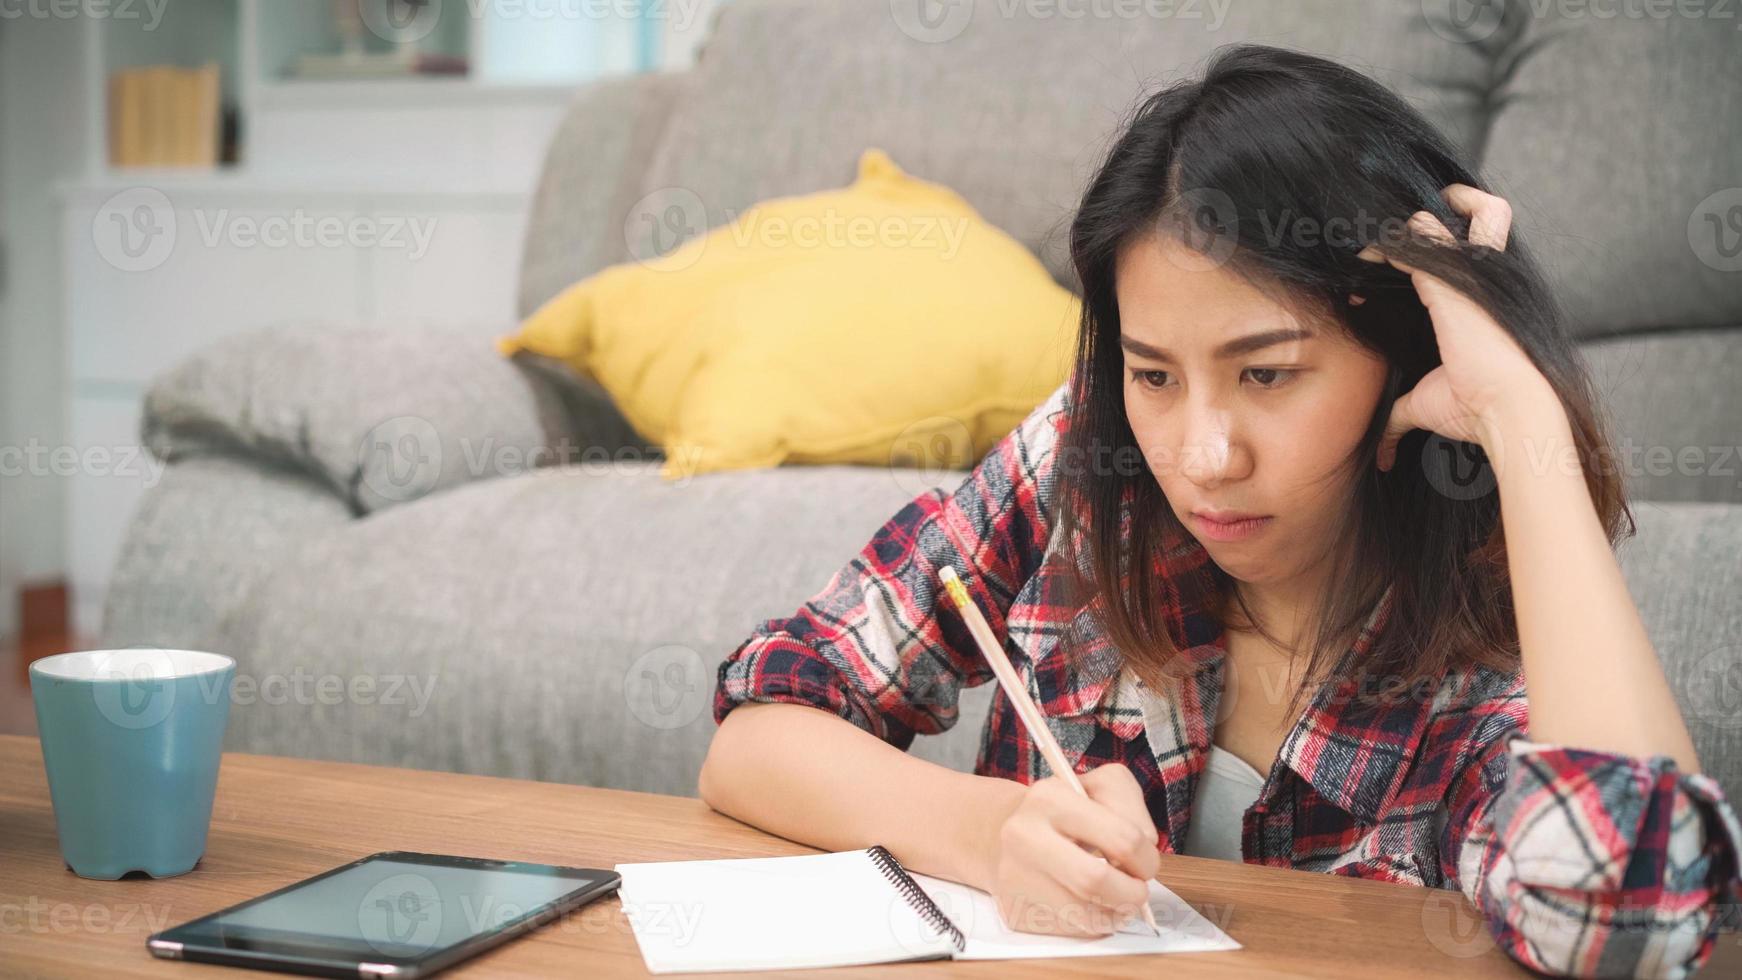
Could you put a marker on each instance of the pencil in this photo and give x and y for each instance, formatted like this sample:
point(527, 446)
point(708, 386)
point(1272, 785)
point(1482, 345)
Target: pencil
point(1032, 720)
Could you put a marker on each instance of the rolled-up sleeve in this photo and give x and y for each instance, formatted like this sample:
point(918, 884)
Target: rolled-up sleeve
point(871, 644)
point(871, 647)
point(1593, 864)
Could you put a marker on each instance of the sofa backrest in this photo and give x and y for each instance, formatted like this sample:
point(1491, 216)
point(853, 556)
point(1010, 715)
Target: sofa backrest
point(1013, 110)
point(1618, 140)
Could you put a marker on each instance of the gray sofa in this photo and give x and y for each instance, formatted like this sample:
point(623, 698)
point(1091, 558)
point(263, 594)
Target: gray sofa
point(356, 516)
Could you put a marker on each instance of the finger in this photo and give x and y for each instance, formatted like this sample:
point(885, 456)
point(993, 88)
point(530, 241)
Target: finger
point(1100, 842)
point(1397, 425)
point(1043, 907)
point(1064, 916)
point(1490, 215)
point(1371, 254)
point(1128, 846)
point(1086, 877)
point(1428, 225)
point(1114, 787)
point(1448, 306)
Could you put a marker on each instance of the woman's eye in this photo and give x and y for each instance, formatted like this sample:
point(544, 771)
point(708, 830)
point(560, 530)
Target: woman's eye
point(1268, 377)
point(1151, 379)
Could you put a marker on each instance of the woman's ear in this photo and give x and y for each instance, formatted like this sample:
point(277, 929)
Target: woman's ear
point(1355, 299)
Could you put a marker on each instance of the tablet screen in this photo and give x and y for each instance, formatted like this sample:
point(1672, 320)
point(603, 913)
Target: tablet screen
point(394, 908)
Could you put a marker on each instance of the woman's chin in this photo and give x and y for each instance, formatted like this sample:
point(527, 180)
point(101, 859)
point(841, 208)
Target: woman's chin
point(1252, 564)
point(1241, 565)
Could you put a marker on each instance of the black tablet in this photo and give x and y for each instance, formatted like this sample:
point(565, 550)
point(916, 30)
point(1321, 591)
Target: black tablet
point(393, 914)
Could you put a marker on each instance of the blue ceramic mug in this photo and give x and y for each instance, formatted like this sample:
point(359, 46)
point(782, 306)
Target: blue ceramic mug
point(131, 741)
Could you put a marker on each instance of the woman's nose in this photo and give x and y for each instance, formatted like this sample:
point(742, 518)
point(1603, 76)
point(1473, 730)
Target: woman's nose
point(1212, 453)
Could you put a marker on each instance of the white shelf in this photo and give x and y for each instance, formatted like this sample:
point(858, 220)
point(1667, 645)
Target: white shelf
point(255, 41)
point(241, 183)
point(376, 93)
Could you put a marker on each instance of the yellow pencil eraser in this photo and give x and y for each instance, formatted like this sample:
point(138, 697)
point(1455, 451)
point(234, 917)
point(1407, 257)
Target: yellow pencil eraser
point(954, 586)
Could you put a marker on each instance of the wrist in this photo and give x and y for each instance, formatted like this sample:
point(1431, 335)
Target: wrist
point(1529, 424)
point(994, 800)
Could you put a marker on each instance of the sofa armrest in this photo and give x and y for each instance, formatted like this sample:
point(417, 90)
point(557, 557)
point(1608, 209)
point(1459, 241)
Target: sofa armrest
point(1682, 572)
point(381, 416)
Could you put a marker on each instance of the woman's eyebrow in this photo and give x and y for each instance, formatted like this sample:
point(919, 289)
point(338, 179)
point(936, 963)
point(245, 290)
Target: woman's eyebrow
point(1233, 348)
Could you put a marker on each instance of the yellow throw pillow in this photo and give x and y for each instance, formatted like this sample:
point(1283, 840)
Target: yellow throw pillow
point(886, 323)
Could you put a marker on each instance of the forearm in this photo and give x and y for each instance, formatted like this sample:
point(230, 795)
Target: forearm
point(811, 777)
point(1594, 680)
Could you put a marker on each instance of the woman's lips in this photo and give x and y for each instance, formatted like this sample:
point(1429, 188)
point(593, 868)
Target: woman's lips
point(1230, 527)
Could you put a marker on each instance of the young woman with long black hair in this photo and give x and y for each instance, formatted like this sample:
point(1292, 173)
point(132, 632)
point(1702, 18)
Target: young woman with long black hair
point(1236, 561)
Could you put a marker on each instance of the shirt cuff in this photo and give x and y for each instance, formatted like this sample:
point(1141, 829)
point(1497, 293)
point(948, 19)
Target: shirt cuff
point(1597, 821)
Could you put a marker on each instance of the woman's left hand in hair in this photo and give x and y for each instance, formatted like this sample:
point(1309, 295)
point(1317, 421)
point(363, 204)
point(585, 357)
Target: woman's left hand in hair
point(1484, 378)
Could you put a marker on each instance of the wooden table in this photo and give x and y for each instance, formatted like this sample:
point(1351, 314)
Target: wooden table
point(278, 820)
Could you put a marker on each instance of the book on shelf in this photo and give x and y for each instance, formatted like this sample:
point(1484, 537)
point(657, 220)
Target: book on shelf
point(164, 116)
point(399, 63)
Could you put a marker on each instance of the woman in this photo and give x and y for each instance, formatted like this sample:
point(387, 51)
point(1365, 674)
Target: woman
point(1251, 559)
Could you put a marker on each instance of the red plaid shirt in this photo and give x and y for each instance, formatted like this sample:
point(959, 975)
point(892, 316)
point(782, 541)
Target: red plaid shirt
point(1582, 863)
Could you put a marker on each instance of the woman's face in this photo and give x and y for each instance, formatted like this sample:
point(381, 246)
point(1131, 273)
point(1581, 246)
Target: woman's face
point(1241, 408)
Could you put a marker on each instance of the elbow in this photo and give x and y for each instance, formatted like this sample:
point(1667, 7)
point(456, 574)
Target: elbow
point(708, 780)
point(732, 763)
point(715, 778)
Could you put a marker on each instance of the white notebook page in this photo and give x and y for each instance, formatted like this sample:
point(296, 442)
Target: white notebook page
point(974, 912)
point(771, 914)
point(839, 910)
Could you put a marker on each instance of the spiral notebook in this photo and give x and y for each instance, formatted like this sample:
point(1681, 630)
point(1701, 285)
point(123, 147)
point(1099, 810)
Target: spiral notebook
point(852, 908)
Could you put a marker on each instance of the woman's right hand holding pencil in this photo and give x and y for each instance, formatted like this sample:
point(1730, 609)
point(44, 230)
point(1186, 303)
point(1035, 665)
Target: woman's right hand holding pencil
point(1047, 877)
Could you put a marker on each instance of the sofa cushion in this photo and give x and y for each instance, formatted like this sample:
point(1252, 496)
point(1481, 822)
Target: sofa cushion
point(1677, 411)
point(778, 339)
point(381, 417)
point(1618, 140)
point(201, 539)
point(563, 625)
point(1011, 105)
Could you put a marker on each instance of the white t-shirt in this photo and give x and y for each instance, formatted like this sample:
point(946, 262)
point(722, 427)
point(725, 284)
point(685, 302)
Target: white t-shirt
point(1227, 787)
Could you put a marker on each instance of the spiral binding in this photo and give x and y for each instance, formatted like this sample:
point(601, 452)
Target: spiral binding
point(915, 896)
